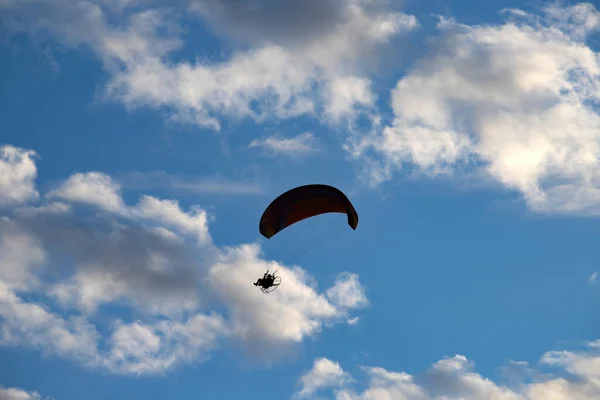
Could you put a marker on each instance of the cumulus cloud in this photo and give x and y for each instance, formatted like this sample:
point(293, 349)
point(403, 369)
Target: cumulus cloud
point(170, 214)
point(345, 94)
point(17, 175)
point(91, 188)
point(104, 261)
point(100, 190)
point(286, 316)
point(18, 394)
point(306, 72)
point(517, 101)
point(21, 255)
point(157, 260)
point(154, 348)
point(455, 378)
point(347, 292)
point(296, 146)
point(324, 374)
point(132, 348)
point(32, 325)
point(279, 79)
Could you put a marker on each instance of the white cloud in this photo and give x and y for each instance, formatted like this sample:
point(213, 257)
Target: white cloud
point(579, 20)
point(280, 79)
point(169, 213)
point(141, 348)
point(157, 260)
point(518, 101)
point(100, 190)
point(271, 79)
point(133, 348)
point(453, 378)
point(32, 325)
point(593, 277)
point(286, 316)
point(297, 146)
point(345, 94)
point(386, 385)
point(91, 188)
point(18, 394)
point(324, 374)
point(17, 175)
point(347, 292)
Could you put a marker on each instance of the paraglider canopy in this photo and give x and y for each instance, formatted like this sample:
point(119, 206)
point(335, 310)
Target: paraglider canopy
point(305, 202)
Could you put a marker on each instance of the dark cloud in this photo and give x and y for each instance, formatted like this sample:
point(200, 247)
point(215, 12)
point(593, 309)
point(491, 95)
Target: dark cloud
point(276, 21)
point(246, 20)
point(77, 22)
point(152, 267)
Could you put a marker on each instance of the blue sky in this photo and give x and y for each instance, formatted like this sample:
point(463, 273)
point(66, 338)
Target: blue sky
point(142, 140)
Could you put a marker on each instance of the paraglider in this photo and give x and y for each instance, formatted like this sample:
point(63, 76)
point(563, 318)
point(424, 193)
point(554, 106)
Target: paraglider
point(268, 282)
point(296, 205)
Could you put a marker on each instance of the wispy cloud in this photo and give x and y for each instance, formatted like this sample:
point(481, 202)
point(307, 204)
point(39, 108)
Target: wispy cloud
point(299, 146)
point(593, 277)
point(217, 185)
